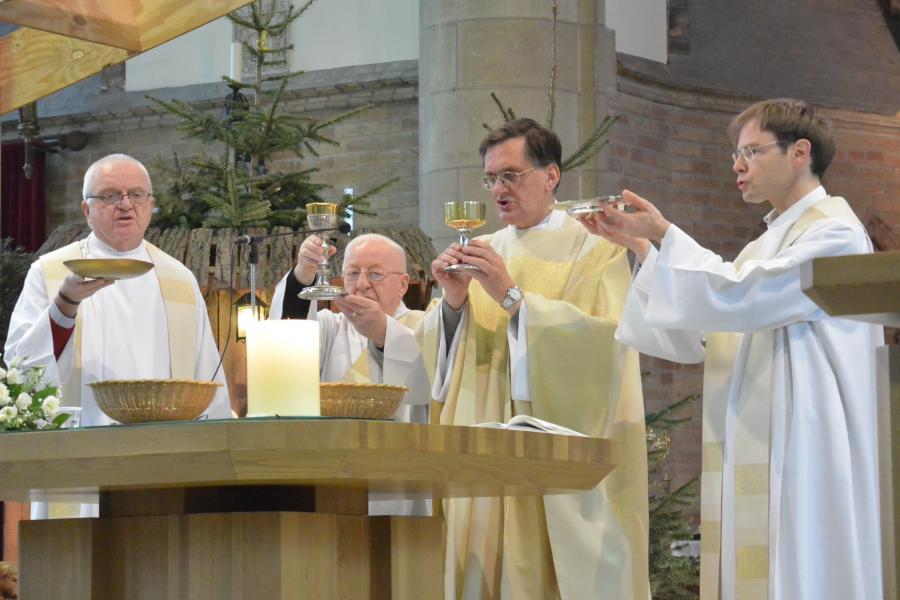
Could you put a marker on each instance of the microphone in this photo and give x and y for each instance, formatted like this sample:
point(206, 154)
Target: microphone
point(246, 240)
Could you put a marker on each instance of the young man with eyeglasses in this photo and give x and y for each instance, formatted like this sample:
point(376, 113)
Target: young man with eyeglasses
point(153, 326)
point(520, 336)
point(790, 505)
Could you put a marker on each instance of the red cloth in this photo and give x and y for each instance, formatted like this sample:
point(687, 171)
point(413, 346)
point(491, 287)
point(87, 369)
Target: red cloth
point(61, 337)
point(22, 215)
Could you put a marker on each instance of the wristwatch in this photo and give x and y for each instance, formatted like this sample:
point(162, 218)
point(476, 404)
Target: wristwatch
point(513, 296)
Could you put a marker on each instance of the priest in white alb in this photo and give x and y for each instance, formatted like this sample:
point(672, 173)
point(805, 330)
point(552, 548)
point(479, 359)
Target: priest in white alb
point(370, 338)
point(790, 490)
point(531, 333)
point(153, 326)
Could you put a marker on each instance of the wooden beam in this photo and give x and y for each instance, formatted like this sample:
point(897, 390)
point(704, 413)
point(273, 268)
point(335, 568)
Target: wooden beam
point(864, 284)
point(34, 64)
point(100, 21)
point(133, 25)
point(163, 20)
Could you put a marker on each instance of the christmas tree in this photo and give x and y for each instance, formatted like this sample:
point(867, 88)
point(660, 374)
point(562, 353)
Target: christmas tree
point(671, 577)
point(237, 187)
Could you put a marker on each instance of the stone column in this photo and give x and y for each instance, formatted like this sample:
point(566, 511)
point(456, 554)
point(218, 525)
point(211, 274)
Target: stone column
point(470, 48)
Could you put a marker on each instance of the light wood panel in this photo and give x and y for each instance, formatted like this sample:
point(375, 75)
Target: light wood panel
point(277, 556)
point(378, 455)
point(64, 41)
point(34, 64)
point(103, 22)
point(865, 284)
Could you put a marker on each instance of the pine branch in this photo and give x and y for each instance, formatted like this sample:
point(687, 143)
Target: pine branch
point(507, 114)
point(551, 94)
point(595, 142)
point(664, 415)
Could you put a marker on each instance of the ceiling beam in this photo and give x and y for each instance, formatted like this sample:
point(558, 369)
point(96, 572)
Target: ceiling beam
point(133, 25)
point(64, 41)
point(161, 20)
point(34, 64)
point(99, 21)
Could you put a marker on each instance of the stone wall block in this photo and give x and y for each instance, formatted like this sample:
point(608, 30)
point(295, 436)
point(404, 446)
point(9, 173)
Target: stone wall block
point(435, 12)
point(514, 52)
point(441, 185)
point(438, 50)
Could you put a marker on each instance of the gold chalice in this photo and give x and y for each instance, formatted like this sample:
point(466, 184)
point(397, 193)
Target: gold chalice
point(464, 217)
point(322, 215)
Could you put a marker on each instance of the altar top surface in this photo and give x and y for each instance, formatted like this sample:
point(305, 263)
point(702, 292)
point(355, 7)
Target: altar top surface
point(862, 286)
point(378, 455)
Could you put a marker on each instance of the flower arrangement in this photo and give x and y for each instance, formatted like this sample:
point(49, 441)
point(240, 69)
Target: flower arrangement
point(25, 402)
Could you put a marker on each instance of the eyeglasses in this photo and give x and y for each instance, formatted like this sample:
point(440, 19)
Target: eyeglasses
point(113, 198)
point(749, 152)
point(372, 276)
point(510, 179)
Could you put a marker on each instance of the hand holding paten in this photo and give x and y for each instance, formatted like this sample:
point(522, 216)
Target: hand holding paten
point(74, 289)
point(366, 316)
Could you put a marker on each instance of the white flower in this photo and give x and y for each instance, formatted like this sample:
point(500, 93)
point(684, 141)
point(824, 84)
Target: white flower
point(50, 406)
point(23, 401)
point(2, 372)
point(15, 376)
point(8, 413)
point(4, 394)
point(41, 423)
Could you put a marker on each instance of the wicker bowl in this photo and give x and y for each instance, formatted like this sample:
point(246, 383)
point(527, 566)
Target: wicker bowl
point(360, 400)
point(143, 400)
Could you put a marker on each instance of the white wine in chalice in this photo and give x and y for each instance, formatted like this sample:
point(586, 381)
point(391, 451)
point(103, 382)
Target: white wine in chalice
point(464, 217)
point(322, 215)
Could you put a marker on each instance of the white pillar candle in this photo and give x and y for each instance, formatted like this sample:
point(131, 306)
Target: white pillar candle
point(283, 368)
point(236, 58)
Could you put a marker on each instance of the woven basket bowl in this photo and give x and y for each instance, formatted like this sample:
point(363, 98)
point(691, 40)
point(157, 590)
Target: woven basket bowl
point(360, 400)
point(143, 400)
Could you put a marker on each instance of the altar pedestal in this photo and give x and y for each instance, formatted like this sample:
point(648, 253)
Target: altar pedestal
point(264, 508)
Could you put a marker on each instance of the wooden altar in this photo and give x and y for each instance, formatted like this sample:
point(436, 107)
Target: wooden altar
point(271, 508)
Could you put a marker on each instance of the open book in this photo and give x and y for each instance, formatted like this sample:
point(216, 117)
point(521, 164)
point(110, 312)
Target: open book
point(529, 423)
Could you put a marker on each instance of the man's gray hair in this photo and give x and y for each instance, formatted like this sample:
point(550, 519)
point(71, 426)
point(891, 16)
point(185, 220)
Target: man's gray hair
point(372, 237)
point(91, 173)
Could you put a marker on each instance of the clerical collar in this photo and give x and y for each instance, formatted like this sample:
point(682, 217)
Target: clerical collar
point(95, 243)
point(401, 310)
point(773, 219)
point(554, 220)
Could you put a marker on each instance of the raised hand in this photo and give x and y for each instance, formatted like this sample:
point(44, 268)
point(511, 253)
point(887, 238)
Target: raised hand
point(309, 256)
point(455, 286)
point(630, 229)
point(493, 276)
point(365, 315)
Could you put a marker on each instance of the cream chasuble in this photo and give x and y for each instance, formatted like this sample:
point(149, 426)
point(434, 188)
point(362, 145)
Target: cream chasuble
point(789, 502)
point(587, 545)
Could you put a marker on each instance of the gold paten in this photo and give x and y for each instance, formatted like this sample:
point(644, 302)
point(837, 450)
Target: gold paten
point(108, 268)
